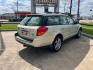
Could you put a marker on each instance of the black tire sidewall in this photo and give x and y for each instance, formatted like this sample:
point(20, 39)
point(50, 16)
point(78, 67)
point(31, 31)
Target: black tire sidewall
point(78, 35)
point(53, 46)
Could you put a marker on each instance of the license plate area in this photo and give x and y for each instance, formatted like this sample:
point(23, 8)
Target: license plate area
point(24, 32)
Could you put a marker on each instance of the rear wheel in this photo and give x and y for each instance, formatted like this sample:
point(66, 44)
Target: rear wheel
point(27, 46)
point(57, 44)
point(24, 45)
point(78, 35)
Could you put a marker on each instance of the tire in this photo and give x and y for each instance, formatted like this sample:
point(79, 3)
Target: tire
point(78, 35)
point(27, 46)
point(57, 44)
point(24, 45)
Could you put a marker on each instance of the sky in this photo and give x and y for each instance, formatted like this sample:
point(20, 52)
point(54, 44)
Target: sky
point(9, 6)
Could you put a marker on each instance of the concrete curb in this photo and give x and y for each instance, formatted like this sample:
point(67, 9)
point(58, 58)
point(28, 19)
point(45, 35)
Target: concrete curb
point(8, 30)
point(87, 24)
point(87, 35)
point(2, 46)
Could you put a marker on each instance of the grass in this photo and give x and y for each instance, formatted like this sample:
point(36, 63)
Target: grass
point(8, 27)
point(87, 29)
point(86, 23)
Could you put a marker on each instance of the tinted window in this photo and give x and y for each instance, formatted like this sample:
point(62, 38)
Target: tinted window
point(75, 20)
point(32, 21)
point(70, 21)
point(63, 20)
point(23, 22)
point(52, 20)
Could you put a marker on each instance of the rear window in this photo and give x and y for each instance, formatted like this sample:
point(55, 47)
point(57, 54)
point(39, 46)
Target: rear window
point(32, 21)
point(23, 22)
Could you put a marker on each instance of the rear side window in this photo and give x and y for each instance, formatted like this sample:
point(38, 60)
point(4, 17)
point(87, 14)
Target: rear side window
point(70, 21)
point(63, 20)
point(52, 20)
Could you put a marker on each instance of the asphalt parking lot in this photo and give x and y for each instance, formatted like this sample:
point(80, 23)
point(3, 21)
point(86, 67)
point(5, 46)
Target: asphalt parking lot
point(76, 54)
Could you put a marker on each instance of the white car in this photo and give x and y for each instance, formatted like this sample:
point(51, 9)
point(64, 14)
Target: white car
point(39, 30)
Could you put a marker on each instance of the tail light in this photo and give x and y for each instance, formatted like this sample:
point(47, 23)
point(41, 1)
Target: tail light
point(41, 30)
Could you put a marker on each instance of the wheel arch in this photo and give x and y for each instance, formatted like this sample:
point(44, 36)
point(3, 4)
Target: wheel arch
point(53, 47)
point(59, 35)
point(80, 28)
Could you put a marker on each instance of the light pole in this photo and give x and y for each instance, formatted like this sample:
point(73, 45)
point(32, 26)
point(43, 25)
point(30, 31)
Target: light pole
point(78, 14)
point(17, 10)
point(70, 7)
point(33, 6)
point(46, 8)
point(64, 7)
point(56, 7)
point(17, 5)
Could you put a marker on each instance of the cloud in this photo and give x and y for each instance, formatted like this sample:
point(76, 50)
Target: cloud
point(3, 9)
point(11, 5)
point(24, 5)
point(85, 7)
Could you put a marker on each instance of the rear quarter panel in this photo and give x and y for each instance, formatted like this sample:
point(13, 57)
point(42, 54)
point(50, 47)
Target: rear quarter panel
point(52, 32)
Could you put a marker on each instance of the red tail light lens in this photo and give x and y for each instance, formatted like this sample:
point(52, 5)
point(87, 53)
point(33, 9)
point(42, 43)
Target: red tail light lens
point(41, 30)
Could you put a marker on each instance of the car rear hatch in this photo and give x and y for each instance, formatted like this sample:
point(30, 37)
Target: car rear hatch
point(29, 25)
point(27, 31)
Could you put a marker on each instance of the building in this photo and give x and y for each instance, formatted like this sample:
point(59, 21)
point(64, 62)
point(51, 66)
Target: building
point(7, 16)
point(17, 16)
point(21, 14)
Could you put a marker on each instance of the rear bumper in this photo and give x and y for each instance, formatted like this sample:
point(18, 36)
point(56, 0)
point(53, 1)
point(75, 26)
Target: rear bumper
point(35, 43)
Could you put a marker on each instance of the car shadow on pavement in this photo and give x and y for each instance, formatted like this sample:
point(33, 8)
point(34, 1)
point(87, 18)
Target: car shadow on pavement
point(2, 47)
point(72, 54)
